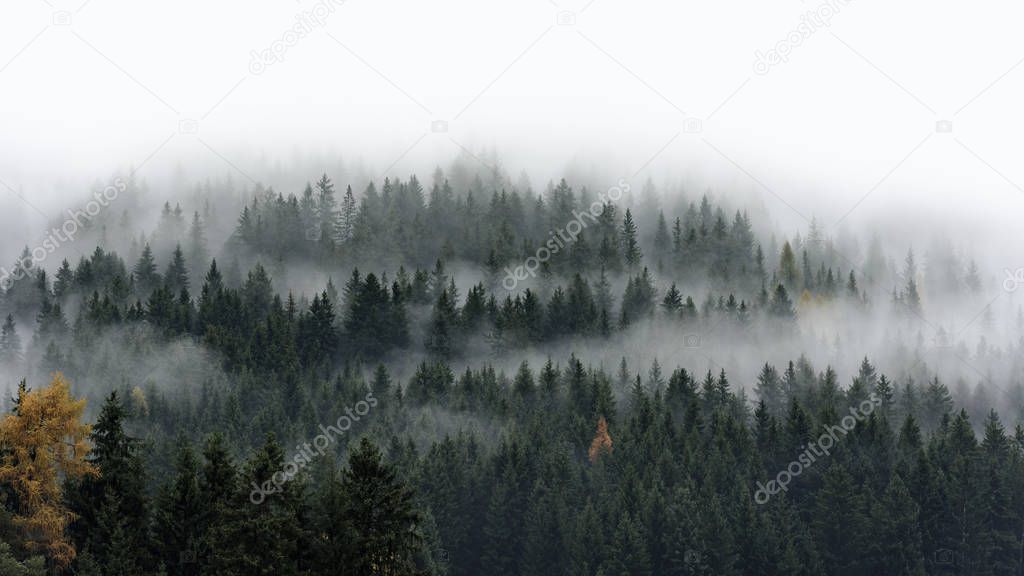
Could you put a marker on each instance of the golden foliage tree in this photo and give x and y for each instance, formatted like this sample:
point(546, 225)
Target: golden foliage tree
point(44, 442)
point(602, 440)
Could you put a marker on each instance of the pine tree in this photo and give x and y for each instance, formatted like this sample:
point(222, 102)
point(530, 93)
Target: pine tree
point(348, 216)
point(781, 305)
point(176, 276)
point(769, 390)
point(629, 241)
point(217, 486)
point(197, 250)
point(523, 385)
point(10, 342)
point(1000, 544)
point(441, 340)
point(116, 501)
point(662, 241)
point(936, 404)
point(10, 566)
point(327, 211)
point(308, 215)
point(896, 533)
point(787, 266)
point(317, 337)
point(262, 534)
point(543, 547)
point(145, 274)
point(503, 523)
point(629, 549)
point(673, 301)
point(180, 511)
point(839, 521)
point(386, 538)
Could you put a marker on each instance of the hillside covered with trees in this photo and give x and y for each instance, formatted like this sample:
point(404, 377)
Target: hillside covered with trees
point(456, 379)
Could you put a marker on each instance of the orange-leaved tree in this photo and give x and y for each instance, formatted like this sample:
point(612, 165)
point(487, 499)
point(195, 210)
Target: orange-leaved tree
point(41, 444)
point(602, 440)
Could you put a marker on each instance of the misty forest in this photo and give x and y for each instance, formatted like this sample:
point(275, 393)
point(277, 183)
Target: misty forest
point(462, 373)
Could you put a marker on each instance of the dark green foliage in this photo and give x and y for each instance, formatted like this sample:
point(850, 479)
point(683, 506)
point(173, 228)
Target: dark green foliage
point(487, 467)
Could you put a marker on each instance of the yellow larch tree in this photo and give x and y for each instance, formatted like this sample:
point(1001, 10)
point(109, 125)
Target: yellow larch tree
point(43, 443)
point(602, 440)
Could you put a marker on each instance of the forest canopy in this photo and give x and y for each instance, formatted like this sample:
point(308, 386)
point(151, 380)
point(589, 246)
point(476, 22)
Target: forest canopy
point(466, 378)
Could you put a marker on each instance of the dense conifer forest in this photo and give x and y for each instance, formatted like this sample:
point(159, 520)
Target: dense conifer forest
point(471, 376)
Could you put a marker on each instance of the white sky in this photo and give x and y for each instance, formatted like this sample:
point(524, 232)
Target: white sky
point(851, 114)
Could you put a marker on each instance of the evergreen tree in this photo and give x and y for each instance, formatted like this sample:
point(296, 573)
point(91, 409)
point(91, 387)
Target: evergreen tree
point(787, 266)
point(145, 274)
point(262, 534)
point(197, 250)
point(327, 211)
point(179, 511)
point(114, 505)
point(176, 276)
point(629, 241)
point(10, 342)
point(386, 538)
point(348, 216)
point(895, 528)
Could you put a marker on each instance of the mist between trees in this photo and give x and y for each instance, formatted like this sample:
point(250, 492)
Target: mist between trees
point(695, 346)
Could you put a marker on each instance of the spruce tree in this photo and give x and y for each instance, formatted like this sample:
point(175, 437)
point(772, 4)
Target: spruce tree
point(10, 342)
point(630, 243)
point(176, 276)
point(384, 521)
point(116, 500)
